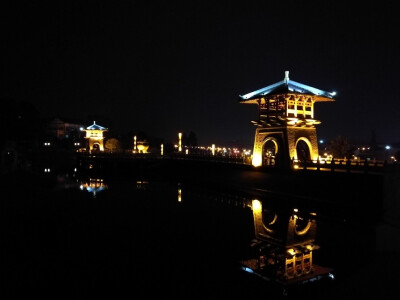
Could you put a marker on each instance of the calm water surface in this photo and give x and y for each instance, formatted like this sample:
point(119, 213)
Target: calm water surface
point(61, 238)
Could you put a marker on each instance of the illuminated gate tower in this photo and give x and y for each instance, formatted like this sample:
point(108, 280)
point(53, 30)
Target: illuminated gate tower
point(286, 125)
point(94, 134)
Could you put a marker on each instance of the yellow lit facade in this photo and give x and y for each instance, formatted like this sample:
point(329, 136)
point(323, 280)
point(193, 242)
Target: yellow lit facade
point(286, 125)
point(94, 135)
point(142, 146)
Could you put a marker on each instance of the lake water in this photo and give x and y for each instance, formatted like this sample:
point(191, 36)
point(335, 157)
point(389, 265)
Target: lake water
point(69, 237)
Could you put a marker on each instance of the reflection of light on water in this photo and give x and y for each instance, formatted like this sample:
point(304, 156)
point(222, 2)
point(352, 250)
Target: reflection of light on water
point(141, 184)
point(94, 186)
point(292, 233)
point(247, 269)
point(179, 193)
point(256, 205)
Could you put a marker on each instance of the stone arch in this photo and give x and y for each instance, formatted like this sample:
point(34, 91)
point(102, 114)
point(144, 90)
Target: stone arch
point(304, 149)
point(269, 218)
point(302, 226)
point(270, 139)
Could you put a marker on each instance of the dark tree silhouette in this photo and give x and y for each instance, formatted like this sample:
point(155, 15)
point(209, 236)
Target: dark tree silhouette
point(191, 139)
point(340, 148)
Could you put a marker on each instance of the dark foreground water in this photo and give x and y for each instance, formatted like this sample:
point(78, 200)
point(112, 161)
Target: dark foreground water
point(163, 239)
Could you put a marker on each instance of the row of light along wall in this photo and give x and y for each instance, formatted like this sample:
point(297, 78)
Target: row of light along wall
point(213, 148)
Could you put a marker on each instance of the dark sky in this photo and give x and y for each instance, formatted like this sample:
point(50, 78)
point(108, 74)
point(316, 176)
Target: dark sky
point(161, 68)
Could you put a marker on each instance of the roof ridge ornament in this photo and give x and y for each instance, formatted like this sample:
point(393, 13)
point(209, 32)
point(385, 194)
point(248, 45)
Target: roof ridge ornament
point(286, 79)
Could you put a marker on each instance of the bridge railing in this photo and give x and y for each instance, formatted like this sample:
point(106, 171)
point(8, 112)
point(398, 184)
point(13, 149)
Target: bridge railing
point(335, 165)
point(340, 165)
point(232, 159)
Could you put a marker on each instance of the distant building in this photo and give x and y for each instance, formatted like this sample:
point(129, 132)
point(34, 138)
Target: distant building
point(379, 152)
point(61, 129)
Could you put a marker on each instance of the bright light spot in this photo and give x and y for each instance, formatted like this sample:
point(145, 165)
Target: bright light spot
point(256, 204)
point(180, 141)
point(257, 160)
point(387, 147)
point(321, 141)
point(179, 195)
point(331, 276)
point(247, 269)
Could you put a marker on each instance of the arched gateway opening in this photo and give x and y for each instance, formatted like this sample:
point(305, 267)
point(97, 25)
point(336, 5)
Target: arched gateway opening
point(270, 152)
point(303, 150)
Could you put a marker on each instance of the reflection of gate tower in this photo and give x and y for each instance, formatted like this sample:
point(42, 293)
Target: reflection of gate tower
point(286, 125)
point(288, 238)
point(284, 228)
point(94, 134)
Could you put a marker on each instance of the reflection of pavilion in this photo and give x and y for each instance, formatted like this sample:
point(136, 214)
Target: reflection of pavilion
point(94, 186)
point(283, 246)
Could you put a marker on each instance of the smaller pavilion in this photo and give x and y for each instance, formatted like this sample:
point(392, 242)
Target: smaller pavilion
point(94, 134)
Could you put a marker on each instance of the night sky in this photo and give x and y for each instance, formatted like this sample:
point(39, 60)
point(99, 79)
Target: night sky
point(161, 68)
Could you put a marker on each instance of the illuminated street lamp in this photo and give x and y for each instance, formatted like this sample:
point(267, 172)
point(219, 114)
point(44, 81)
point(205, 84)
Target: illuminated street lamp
point(162, 149)
point(134, 144)
point(387, 147)
point(180, 141)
